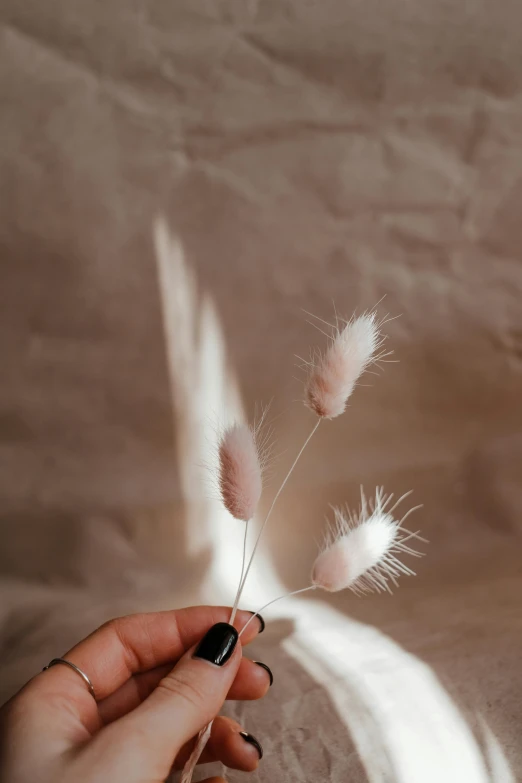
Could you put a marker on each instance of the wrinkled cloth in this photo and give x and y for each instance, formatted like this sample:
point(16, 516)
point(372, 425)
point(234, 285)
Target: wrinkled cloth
point(180, 182)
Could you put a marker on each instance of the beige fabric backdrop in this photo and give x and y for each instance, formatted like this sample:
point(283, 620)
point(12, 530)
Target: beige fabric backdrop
point(179, 181)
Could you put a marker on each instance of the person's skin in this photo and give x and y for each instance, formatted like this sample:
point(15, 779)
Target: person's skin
point(153, 695)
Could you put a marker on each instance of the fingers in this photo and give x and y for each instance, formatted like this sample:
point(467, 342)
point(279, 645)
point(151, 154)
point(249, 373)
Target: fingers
point(126, 646)
point(252, 682)
point(118, 650)
point(228, 745)
point(142, 642)
point(185, 700)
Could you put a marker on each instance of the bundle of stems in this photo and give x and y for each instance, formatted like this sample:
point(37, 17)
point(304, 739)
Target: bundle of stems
point(362, 550)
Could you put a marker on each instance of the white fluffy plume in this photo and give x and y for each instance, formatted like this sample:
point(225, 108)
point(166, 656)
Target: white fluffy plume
point(362, 550)
point(333, 375)
point(240, 473)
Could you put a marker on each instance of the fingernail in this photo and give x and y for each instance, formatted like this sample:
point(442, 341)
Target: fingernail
point(218, 644)
point(252, 741)
point(261, 621)
point(267, 669)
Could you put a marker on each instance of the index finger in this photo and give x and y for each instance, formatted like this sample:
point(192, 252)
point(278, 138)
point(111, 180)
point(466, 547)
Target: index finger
point(140, 642)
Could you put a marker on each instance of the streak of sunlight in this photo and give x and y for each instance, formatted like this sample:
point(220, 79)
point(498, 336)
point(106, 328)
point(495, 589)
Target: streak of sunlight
point(400, 705)
point(205, 397)
point(499, 769)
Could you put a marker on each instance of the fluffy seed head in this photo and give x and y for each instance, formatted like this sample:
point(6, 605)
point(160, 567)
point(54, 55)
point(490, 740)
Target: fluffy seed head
point(240, 479)
point(361, 550)
point(333, 375)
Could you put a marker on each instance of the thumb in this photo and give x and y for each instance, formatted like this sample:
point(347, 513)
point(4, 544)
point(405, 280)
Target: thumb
point(188, 698)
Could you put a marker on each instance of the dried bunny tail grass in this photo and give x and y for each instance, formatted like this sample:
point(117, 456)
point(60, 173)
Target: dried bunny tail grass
point(240, 471)
point(332, 375)
point(239, 460)
point(262, 434)
point(361, 551)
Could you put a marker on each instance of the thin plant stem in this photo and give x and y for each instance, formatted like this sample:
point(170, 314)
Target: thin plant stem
point(190, 765)
point(305, 444)
point(243, 564)
point(273, 601)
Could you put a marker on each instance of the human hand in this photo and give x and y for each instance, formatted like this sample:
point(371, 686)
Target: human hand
point(146, 714)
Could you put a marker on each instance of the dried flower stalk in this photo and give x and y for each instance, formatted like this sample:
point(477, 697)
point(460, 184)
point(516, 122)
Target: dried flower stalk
point(362, 551)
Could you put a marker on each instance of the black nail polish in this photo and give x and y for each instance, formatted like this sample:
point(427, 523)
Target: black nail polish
point(218, 644)
point(252, 740)
point(261, 621)
point(267, 669)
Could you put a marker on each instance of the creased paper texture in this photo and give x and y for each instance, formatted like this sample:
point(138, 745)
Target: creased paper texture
point(179, 181)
